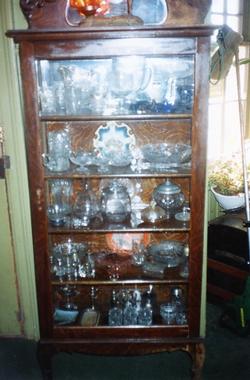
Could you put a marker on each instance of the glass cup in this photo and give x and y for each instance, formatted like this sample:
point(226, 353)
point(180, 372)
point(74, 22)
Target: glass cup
point(59, 142)
point(56, 162)
point(57, 157)
point(60, 193)
point(168, 313)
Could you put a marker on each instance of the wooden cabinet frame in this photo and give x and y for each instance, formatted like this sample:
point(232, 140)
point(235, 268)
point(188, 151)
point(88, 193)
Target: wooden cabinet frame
point(69, 43)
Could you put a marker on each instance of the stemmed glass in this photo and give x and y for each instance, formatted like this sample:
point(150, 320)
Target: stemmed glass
point(69, 291)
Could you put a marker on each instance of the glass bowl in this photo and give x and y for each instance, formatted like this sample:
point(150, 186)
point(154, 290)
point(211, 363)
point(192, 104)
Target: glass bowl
point(169, 252)
point(172, 154)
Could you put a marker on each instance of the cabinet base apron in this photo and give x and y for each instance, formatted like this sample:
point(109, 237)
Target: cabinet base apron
point(46, 349)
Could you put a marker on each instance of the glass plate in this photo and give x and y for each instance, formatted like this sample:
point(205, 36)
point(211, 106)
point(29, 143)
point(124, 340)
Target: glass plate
point(152, 12)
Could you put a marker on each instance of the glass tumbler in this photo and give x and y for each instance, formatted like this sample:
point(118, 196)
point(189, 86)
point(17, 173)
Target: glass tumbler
point(168, 313)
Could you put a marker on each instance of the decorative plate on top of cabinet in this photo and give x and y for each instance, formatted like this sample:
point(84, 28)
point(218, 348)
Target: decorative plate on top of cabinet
point(152, 12)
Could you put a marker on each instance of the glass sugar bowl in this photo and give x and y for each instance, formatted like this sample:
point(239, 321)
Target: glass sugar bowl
point(115, 203)
point(169, 196)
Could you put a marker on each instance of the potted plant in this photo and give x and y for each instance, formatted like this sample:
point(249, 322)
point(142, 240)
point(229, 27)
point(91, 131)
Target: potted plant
point(225, 178)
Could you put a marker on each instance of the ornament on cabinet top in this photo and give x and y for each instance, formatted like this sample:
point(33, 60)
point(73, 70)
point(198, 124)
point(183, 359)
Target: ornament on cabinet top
point(42, 14)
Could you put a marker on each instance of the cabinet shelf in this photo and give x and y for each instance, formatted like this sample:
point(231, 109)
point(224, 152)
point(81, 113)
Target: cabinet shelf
point(146, 281)
point(69, 118)
point(122, 174)
point(173, 227)
point(107, 328)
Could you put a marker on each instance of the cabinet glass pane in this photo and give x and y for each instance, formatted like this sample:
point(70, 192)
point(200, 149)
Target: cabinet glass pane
point(126, 85)
point(120, 305)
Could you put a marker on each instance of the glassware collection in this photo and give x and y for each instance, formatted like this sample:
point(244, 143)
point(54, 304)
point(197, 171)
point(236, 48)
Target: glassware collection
point(95, 188)
point(72, 262)
point(127, 307)
point(112, 206)
point(122, 85)
point(114, 148)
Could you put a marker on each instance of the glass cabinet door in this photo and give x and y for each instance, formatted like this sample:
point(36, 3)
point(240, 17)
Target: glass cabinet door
point(121, 85)
point(118, 188)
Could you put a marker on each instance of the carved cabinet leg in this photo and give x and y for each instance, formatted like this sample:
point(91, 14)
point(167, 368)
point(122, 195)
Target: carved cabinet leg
point(44, 356)
point(197, 352)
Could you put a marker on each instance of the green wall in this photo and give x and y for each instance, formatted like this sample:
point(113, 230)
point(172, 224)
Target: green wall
point(10, 313)
point(18, 306)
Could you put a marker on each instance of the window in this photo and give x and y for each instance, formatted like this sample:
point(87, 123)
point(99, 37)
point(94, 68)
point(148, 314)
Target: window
point(224, 126)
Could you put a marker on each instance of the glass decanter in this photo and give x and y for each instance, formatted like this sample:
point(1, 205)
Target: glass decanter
point(115, 314)
point(86, 207)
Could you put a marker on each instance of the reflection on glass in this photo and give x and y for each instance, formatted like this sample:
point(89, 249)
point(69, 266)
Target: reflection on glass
point(234, 6)
point(218, 6)
point(116, 86)
point(217, 19)
point(233, 22)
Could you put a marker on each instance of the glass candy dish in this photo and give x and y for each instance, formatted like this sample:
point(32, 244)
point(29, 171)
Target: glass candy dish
point(84, 159)
point(153, 213)
point(168, 252)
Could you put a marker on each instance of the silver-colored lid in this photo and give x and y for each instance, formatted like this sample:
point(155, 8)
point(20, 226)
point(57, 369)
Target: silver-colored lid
point(168, 188)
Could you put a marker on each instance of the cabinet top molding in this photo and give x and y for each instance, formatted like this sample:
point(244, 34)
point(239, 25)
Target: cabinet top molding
point(50, 14)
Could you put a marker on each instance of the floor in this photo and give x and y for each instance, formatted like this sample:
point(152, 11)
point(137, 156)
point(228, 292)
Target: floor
point(227, 357)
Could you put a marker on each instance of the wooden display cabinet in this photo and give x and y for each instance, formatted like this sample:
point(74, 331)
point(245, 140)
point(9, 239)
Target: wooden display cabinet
point(78, 83)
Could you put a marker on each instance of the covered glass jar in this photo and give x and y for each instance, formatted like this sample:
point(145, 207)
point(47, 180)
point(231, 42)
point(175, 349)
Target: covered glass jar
point(115, 203)
point(169, 196)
